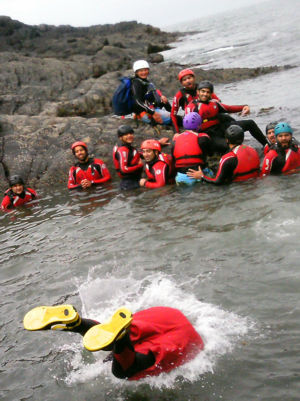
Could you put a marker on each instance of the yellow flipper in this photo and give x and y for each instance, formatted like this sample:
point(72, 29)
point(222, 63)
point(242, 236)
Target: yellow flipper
point(43, 317)
point(102, 335)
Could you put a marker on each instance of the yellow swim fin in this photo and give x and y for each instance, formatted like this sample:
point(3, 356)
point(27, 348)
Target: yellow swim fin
point(102, 335)
point(43, 317)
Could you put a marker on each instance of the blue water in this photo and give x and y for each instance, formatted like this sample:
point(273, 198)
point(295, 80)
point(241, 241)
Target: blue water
point(227, 257)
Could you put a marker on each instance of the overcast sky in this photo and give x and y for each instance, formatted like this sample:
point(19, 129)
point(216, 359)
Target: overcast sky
point(93, 12)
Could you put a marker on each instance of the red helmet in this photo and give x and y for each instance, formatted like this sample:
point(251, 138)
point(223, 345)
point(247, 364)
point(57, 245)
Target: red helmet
point(78, 143)
point(151, 144)
point(185, 72)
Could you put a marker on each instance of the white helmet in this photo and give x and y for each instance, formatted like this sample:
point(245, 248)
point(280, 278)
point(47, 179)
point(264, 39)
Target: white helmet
point(139, 64)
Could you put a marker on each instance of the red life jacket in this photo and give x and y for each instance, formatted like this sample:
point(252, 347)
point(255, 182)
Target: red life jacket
point(16, 200)
point(130, 158)
point(187, 151)
point(248, 163)
point(168, 334)
point(169, 160)
point(292, 161)
point(208, 111)
point(93, 172)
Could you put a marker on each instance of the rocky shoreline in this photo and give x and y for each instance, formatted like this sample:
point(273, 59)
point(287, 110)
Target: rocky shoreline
point(56, 85)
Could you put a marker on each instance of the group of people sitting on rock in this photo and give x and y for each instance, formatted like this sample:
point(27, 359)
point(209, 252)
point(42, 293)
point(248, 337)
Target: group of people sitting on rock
point(205, 129)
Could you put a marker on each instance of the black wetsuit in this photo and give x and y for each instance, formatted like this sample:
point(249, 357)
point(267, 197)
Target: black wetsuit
point(144, 95)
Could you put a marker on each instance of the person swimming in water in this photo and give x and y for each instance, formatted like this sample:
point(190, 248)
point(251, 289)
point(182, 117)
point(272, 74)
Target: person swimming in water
point(17, 194)
point(147, 343)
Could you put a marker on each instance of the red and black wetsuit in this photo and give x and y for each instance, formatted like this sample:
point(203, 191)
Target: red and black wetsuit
point(158, 173)
point(190, 150)
point(240, 164)
point(11, 200)
point(93, 170)
point(214, 124)
point(182, 98)
point(279, 160)
point(128, 164)
point(160, 339)
point(146, 97)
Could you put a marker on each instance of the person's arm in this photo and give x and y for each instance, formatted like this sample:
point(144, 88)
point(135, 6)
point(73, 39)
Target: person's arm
point(123, 160)
point(224, 174)
point(225, 108)
point(272, 163)
point(72, 182)
point(6, 203)
point(103, 172)
point(174, 111)
point(160, 173)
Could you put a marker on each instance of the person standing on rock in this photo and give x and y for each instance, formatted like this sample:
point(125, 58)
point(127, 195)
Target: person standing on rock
point(149, 104)
point(17, 194)
point(88, 171)
point(184, 96)
point(127, 159)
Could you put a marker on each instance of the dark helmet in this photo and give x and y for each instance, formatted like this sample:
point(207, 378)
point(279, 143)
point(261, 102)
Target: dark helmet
point(271, 126)
point(206, 84)
point(15, 179)
point(79, 143)
point(124, 129)
point(234, 134)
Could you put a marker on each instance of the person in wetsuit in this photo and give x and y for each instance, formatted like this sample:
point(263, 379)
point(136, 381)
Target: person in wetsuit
point(149, 104)
point(239, 164)
point(88, 171)
point(158, 167)
point(17, 194)
point(213, 122)
point(127, 159)
point(185, 95)
point(284, 155)
point(155, 340)
point(190, 149)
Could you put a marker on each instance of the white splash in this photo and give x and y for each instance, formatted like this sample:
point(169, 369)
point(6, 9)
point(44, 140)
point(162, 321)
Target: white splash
point(100, 297)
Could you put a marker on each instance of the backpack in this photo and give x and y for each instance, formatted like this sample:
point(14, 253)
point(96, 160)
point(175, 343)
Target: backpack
point(122, 101)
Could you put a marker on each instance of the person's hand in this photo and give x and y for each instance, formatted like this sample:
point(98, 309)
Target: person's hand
point(86, 183)
point(157, 118)
point(164, 99)
point(142, 182)
point(245, 111)
point(164, 141)
point(197, 174)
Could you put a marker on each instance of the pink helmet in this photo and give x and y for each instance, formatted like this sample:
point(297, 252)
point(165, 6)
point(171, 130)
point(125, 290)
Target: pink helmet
point(78, 143)
point(151, 144)
point(185, 72)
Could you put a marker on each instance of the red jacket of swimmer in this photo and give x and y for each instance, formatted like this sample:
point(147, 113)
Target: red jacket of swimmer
point(168, 334)
point(209, 111)
point(248, 163)
point(188, 149)
point(127, 161)
point(93, 170)
point(12, 200)
point(182, 98)
point(279, 160)
point(159, 172)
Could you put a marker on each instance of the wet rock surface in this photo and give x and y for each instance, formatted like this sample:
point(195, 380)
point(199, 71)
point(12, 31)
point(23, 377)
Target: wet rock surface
point(56, 85)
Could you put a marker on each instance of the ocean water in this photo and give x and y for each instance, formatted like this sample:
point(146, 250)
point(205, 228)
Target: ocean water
point(227, 257)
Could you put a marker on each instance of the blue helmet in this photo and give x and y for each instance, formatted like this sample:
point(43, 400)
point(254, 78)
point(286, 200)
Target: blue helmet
point(283, 127)
point(192, 121)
